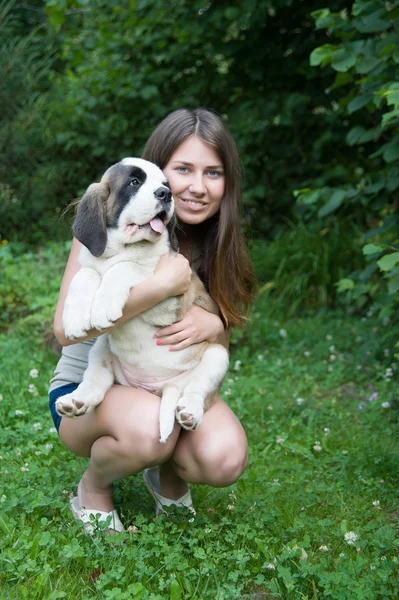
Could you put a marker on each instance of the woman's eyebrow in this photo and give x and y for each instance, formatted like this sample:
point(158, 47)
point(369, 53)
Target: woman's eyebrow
point(188, 164)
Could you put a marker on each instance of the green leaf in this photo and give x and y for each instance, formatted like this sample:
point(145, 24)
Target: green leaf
point(354, 135)
point(175, 591)
point(372, 249)
point(343, 60)
point(391, 151)
point(387, 262)
point(322, 55)
point(358, 102)
point(334, 202)
point(393, 285)
point(345, 284)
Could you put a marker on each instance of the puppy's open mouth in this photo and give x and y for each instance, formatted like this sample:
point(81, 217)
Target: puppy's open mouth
point(157, 224)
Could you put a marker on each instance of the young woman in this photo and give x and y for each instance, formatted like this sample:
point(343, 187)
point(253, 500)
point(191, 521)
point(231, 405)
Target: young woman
point(121, 437)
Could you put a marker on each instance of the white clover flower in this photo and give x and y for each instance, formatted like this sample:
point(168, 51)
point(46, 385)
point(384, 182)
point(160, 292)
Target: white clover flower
point(331, 349)
point(49, 446)
point(33, 373)
point(37, 426)
point(208, 530)
point(261, 392)
point(376, 503)
point(283, 333)
point(387, 352)
point(227, 392)
point(19, 412)
point(230, 380)
point(351, 537)
point(372, 567)
point(323, 548)
point(327, 431)
point(52, 430)
point(333, 357)
point(1, 458)
point(38, 453)
point(270, 407)
point(230, 507)
point(191, 520)
point(232, 496)
point(3, 498)
point(32, 389)
point(1, 398)
point(329, 337)
point(300, 401)
point(280, 440)
point(260, 357)
point(271, 566)
point(279, 362)
point(342, 554)
point(306, 353)
point(24, 469)
point(330, 369)
point(237, 365)
point(386, 404)
point(317, 447)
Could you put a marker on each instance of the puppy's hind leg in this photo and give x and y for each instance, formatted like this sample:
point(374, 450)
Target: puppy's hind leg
point(97, 380)
point(204, 381)
point(167, 409)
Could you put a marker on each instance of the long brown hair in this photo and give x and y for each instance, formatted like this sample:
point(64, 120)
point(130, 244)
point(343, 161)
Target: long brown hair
point(226, 268)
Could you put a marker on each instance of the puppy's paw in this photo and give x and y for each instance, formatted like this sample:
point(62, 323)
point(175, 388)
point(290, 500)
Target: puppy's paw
point(189, 411)
point(105, 311)
point(73, 405)
point(75, 328)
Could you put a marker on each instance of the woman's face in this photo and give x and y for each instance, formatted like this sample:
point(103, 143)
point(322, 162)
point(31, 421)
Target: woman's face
point(196, 178)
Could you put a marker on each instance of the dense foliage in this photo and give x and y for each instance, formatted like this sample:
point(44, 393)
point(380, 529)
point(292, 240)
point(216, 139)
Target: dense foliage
point(365, 57)
point(85, 81)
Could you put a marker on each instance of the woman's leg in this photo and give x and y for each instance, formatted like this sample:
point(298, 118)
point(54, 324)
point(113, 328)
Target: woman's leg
point(121, 437)
point(215, 454)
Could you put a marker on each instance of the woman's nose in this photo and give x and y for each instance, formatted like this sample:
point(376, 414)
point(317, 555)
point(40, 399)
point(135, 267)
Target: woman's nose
point(197, 184)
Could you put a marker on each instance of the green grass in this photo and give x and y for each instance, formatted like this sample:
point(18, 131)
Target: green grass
point(295, 492)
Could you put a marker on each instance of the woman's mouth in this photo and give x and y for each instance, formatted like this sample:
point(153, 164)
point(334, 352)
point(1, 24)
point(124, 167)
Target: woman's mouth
point(193, 204)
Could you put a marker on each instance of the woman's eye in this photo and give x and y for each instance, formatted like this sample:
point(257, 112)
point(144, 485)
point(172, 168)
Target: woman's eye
point(182, 169)
point(214, 173)
point(134, 181)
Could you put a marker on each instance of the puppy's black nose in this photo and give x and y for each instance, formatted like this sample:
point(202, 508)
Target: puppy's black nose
point(164, 194)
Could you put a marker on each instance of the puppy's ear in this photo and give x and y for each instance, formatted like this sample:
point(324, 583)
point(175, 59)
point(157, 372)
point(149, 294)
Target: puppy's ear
point(90, 223)
point(171, 227)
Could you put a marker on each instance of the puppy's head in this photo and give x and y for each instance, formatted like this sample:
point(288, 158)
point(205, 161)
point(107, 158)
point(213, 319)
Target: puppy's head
point(133, 200)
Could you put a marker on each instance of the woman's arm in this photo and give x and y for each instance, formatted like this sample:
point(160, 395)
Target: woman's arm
point(171, 278)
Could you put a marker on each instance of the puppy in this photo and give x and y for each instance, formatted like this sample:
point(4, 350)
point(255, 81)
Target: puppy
point(126, 223)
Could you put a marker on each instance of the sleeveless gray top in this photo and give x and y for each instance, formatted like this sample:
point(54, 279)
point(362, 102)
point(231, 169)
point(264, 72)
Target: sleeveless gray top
point(73, 362)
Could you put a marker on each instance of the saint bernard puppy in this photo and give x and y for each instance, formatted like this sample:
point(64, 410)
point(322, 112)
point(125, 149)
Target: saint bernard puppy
point(126, 223)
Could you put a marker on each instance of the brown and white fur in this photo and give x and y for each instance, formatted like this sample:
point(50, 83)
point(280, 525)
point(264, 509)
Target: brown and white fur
point(126, 223)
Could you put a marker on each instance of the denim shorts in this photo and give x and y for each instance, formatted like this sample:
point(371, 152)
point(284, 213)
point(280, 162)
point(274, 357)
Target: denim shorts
point(53, 397)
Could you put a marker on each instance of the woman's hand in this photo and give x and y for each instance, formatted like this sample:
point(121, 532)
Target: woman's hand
point(173, 274)
point(197, 325)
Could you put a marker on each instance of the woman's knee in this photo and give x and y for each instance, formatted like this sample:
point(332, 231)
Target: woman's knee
point(222, 468)
point(215, 463)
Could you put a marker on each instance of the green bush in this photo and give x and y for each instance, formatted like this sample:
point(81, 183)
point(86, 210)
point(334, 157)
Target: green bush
point(363, 51)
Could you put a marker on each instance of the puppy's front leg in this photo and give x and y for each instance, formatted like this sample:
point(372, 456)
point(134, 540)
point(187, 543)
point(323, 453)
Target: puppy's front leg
point(112, 294)
point(76, 317)
point(204, 381)
point(97, 380)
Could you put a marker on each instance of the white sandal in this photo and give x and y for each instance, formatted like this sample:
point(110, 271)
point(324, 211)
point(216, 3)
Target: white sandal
point(90, 516)
point(151, 480)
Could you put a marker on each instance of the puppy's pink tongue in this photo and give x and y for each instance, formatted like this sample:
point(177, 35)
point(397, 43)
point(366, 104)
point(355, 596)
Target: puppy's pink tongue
point(157, 225)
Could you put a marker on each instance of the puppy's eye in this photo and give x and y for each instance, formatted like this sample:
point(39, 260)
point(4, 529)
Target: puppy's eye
point(134, 181)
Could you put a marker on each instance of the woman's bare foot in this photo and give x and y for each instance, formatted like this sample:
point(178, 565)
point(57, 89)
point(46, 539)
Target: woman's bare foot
point(92, 497)
point(171, 485)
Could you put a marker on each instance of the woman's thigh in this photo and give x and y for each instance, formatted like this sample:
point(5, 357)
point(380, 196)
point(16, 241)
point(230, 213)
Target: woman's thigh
point(128, 415)
point(217, 452)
